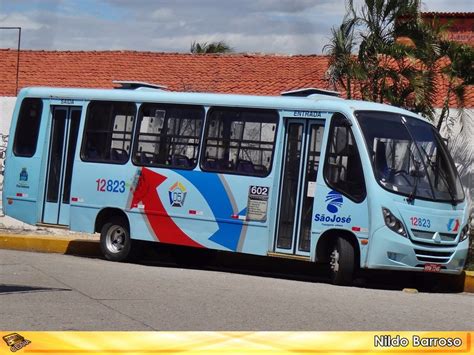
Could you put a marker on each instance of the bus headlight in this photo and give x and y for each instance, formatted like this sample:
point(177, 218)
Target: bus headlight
point(464, 233)
point(393, 222)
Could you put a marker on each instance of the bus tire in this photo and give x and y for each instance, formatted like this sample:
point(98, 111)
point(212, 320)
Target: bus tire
point(342, 263)
point(115, 241)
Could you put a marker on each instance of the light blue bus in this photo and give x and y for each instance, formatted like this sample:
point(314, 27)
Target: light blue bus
point(305, 175)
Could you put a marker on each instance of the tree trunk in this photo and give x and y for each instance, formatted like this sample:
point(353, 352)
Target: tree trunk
point(349, 91)
point(444, 111)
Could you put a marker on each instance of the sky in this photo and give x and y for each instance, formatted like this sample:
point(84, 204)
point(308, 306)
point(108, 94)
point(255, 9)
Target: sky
point(250, 26)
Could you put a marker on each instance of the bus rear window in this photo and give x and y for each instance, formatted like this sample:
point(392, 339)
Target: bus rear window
point(27, 128)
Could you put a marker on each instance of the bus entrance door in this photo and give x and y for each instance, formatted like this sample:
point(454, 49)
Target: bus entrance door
point(62, 148)
point(298, 183)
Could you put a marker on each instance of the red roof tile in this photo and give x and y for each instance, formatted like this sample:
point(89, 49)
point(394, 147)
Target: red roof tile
point(236, 73)
point(230, 73)
point(448, 14)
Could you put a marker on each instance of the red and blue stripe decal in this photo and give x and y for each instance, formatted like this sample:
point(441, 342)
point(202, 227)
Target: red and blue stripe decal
point(214, 192)
point(166, 230)
point(453, 225)
point(163, 226)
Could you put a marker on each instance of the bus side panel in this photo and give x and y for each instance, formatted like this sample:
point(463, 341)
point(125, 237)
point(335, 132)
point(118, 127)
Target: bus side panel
point(202, 209)
point(332, 210)
point(140, 228)
point(255, 226)
point(192, 208)
point(21, 192)
point(96, 186)
point(83, 218)
point(24, 178)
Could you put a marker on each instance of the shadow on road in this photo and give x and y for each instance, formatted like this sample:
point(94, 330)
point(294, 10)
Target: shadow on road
point(15, 289)
point(263, 266)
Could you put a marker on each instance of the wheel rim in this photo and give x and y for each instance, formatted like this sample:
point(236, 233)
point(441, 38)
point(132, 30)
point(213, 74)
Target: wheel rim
point(115, 239)
point(334, 260)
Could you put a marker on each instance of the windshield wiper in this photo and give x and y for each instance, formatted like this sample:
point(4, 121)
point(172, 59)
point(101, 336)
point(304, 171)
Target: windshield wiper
point(441, 175)
point(417, 175)
point(411, 197)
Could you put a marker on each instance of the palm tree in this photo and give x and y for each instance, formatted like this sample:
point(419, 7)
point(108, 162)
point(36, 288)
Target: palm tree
point(463, 64)
point(212, 47)
point(342, 65)
point(404, 73)
point(383, 60)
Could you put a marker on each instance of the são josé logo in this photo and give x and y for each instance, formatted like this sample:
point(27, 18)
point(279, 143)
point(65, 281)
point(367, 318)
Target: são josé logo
point(334, 202)
point(177, 194)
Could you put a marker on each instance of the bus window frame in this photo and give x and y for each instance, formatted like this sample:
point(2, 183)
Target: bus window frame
point(84, 132)
point(238, 109)
point(336, 120)
point(17, 133)
point(136, 135)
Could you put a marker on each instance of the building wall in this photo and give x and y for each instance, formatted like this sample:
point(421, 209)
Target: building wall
point(6, 111)
point(460, 25)
point(459, 129)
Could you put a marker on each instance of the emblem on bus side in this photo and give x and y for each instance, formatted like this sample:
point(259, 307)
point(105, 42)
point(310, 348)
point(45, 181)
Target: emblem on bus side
point(23, 179)
point(335, 201)
point(23, 174)
point(177, 194)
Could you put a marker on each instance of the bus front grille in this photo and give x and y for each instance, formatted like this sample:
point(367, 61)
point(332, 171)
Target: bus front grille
point(427, 237)
point(439, 257)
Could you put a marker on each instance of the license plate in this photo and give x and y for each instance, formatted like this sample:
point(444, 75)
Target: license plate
point(432, 268)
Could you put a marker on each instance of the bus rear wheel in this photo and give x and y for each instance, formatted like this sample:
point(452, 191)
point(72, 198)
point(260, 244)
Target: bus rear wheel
point(115, 242)
point(342, 263)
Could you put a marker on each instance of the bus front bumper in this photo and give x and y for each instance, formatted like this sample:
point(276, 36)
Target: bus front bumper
point(391, 251)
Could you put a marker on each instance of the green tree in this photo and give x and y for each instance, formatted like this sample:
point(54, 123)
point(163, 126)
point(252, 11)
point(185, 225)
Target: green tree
point(212, 47)
point(397, 57)
point(463, 65)
point(342, 65)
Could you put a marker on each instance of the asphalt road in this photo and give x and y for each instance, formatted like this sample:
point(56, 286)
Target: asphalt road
point(60, 292)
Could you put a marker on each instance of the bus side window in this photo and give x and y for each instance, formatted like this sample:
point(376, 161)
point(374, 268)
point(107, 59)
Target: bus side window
point(108, 132)
point(239, 141)
point(168, 135)
point(27, 128)
point(343, 168)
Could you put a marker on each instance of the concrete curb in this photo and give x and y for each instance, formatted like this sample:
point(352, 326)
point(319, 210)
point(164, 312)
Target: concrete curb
point(47, 244)
point(469, 281)
point(91, 248)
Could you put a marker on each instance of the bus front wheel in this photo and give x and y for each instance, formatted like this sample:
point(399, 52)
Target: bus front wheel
point(342, 263)
point(115, 242)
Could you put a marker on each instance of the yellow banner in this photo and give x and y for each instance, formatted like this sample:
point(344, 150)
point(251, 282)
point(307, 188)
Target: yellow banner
point(235, 342)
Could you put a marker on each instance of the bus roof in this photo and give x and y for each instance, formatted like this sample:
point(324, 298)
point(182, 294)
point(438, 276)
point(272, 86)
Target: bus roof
point(315, 102)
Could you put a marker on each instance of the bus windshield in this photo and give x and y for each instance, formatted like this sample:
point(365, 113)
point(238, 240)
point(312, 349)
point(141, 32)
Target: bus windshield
point(409, 157)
